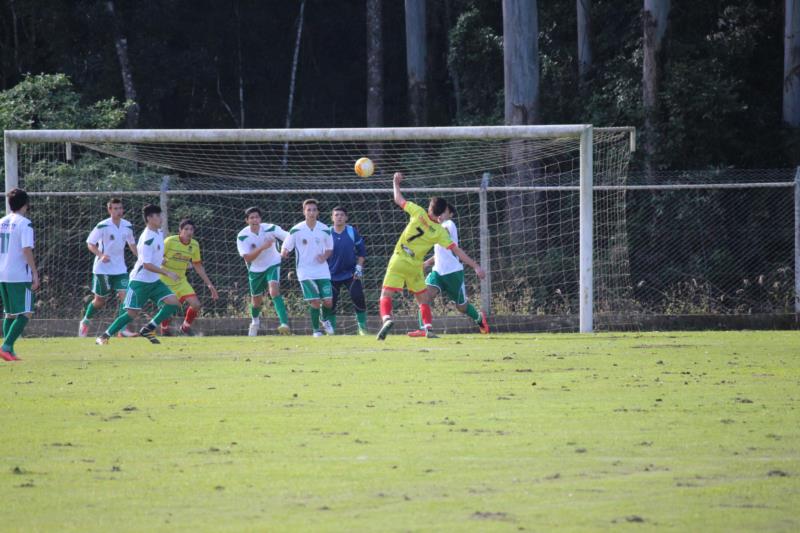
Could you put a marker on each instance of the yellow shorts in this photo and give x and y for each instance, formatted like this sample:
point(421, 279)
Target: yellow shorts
point(402, 272)
point(181, 288)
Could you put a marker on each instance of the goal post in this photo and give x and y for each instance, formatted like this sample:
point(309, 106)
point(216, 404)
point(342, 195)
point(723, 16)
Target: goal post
point(541, 176)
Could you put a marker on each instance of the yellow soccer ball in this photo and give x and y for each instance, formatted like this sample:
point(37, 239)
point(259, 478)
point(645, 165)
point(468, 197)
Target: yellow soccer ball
point(364, 167)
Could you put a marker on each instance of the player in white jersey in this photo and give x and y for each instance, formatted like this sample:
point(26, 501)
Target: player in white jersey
point(447, 277)
point(146, 284)
point(107, 243)
point(18, 274)
point(312, 244)
point(257, 245)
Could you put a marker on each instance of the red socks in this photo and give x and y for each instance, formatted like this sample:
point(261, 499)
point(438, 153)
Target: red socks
point(386, 307)
point(427, 315)
point(191, 314)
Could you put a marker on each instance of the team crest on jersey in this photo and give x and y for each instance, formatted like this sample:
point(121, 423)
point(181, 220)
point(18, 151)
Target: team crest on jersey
point(111, 237)
point(305, 242)
point(252, 245)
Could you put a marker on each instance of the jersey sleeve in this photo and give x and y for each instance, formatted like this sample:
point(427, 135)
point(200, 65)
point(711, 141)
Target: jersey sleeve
point(129, 238)
point(444, 239)
point(196, 252)
point(361, 247)
point(148, 251)
point(288, 244)
point(281, 234)
point(95, 236)
point(453, 231)
point(241, 245)
point(27, 236)
point(413, 209)
point(328, 239)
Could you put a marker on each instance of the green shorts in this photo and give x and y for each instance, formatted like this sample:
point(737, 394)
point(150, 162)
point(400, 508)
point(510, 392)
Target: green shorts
point(317, 289)
point(451, 285)
point(140, 292)
point(105, 285)
point(259, 281)
point(17, 297)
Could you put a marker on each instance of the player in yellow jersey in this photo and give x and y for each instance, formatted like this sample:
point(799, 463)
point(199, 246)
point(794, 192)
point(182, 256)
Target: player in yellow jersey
point(406, 264)
point(179, 251)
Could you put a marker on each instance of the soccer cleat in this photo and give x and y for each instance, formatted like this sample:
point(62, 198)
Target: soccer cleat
point(187, 330)
point(101, 339)
point(327, 326)
point(149, 333)
point(484, 325)
point(429, 334)
point(317, 334)
point(83, 329)
point(252, 331)
point(417, 333)
point(385, 329)
point(126, 333)
point(362, 332)
point(283, 329)
point(8, 356)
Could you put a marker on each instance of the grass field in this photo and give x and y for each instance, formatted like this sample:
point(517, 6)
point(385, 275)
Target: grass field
point(680, 431)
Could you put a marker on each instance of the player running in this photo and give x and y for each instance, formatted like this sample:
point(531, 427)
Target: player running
point(347, 266)
point(179, 251)
point(18, 274)
point(447, 277)
point(109, 272)
point(257, 244)
point(312, 243)
point(145, 283)
point(405, 266)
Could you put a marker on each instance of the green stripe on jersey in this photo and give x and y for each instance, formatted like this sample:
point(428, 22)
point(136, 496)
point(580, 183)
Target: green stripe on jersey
point(148, 242)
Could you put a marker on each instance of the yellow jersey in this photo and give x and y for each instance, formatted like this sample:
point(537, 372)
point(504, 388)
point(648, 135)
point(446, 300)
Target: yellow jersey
point(420, 235)
point(177, 256)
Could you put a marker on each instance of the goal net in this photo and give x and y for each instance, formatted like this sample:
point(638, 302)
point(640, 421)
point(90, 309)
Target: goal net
point(516, 191)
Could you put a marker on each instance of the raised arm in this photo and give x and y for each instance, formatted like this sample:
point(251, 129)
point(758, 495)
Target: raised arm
point(399, 199)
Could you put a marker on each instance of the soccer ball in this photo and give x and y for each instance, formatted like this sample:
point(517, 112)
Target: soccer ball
point(364, 167)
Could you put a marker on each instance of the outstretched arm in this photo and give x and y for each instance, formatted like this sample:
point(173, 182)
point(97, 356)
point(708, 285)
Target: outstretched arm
point(467, 260)
point(399, 199)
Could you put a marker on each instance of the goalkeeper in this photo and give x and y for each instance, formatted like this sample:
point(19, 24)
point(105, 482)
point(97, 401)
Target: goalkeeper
point(179, 251)
point(347, 266)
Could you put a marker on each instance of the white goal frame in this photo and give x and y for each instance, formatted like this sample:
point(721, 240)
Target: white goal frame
point(583, 133)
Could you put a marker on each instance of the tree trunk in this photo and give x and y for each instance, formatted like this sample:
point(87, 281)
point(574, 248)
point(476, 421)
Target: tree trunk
point(791, 64)
point(121, 44)
point(416, 50)
point(584, 42)
point(654, 21)
point(293, 79)
point(374, 63)
point(524, 210)
point(448, 16)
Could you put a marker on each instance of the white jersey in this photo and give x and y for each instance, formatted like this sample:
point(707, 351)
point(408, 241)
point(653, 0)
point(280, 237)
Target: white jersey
point(111, 240)
point(247, 241)
point(307, 244)
point(445, 261)
point(151, 250)
point(16, 233)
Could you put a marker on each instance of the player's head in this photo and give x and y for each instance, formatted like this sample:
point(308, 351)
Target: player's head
point(17, 199)
point(186, 230)
point(437, 206)
point(252, 215)
point(310, 209)
point(448, 213)
point(152, 215)
point(115, 208)
point(339, 216)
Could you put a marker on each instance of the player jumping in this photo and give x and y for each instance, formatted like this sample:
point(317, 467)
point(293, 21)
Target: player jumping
point(405, 266)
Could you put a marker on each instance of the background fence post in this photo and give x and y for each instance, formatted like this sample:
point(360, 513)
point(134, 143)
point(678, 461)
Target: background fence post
point(11, 152)
point(485, 259)
point(797, 241)
point(164, 203)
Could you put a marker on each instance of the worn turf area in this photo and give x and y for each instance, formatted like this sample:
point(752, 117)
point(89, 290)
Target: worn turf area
point(681, 431)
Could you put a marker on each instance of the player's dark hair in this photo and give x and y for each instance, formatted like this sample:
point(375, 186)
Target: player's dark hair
point(149, 210)
point(339, 208)
point(451, 208)
point(113, 201)
point(186, 222)
point(438, 205)
point(309, 202)
point(250, 210)
point(17, 199)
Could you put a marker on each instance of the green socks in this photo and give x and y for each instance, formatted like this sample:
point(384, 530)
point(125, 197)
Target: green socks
point(314, 312)
point(280, 309)
point(361, 318)
point(473, 313)
point(255, 311)
point(14, 331)
point(7, 326)
point(164, 313)
point(118, 324)
point(89, 312)
point(122, 310)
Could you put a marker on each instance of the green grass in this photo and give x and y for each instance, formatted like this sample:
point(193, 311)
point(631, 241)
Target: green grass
point(681, 431)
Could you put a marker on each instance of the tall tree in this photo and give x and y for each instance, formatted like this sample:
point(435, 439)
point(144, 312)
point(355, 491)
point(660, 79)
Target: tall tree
point(374, 63)
point(791, 64)
point(654, 21)
point(584, 8)
point(121, 44)
point(416, 51)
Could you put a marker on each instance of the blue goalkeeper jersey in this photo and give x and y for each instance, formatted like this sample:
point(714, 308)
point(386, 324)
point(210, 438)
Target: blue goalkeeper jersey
point(347, 246)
